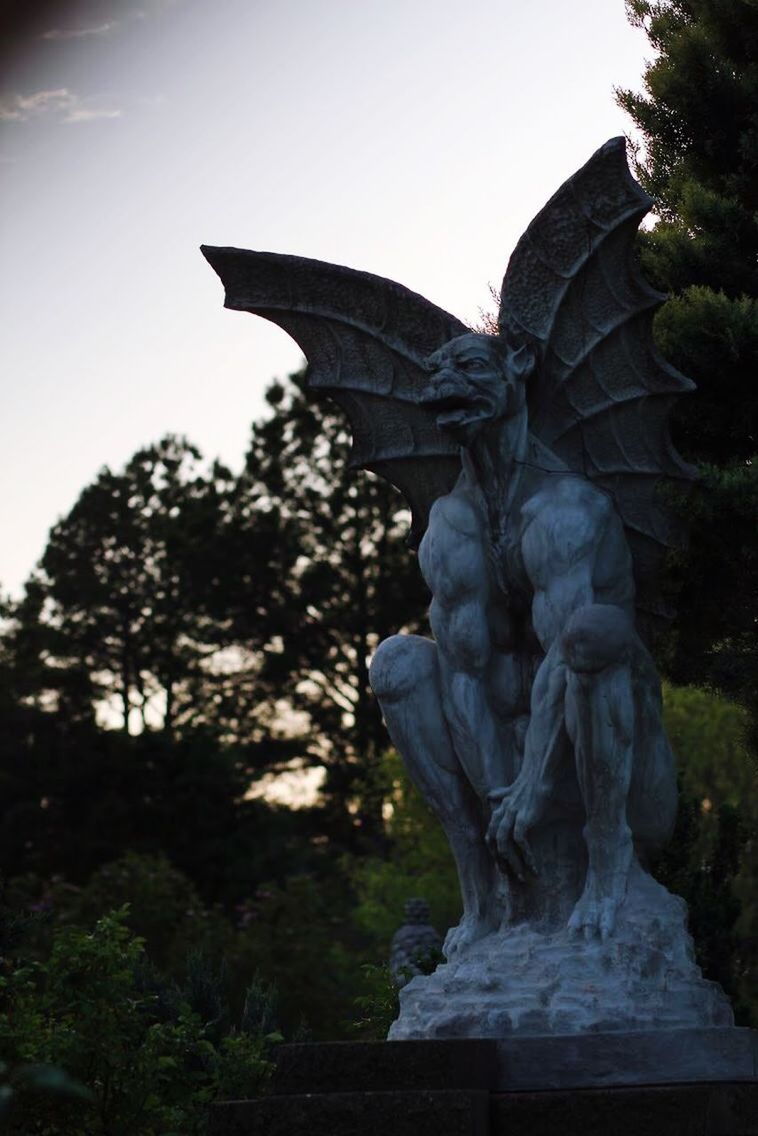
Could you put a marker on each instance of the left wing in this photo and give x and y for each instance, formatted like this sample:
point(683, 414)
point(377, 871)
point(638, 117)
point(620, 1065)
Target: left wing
point(366, 340)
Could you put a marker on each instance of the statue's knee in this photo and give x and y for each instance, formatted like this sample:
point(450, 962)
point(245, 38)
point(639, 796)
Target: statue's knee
point(400, 664)
point(598, 636)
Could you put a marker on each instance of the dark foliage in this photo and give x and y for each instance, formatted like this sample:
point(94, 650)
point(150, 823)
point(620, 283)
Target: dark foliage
point(698, 118)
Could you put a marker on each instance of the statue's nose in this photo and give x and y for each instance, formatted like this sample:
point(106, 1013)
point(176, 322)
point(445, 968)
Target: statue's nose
point(442, 385)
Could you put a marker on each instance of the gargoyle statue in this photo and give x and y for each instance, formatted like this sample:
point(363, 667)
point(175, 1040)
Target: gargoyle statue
point(532, 460)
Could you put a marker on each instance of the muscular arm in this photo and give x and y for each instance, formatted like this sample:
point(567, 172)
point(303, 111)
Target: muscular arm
point(559, 549)
point(564, 537)
point(455, 566)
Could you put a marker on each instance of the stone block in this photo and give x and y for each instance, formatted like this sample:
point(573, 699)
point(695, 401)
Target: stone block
point(419, 1113)
point(676, 1110)
point(376, 1066)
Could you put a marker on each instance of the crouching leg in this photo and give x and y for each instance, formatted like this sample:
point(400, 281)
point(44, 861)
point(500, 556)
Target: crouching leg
point(404, 675)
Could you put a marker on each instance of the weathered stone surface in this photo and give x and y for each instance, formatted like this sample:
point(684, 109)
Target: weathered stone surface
point(522, 1063)
point(680, 1110)
point(376, 1066)
point(651, 1057)
point(588, 1085)
point(521, 980)
point(420, 1113)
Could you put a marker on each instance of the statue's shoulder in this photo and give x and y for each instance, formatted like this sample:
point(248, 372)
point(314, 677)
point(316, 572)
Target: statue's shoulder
point(567, 495)
point(565, 519)
point(458, 511)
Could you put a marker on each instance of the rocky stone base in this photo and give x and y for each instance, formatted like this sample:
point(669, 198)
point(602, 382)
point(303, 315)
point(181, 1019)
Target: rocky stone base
point(529, 981)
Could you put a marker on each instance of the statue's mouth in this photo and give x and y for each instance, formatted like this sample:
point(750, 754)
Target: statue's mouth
point(456, 409)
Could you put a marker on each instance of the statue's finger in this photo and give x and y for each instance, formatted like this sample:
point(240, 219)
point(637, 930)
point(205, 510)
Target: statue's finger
point(507, 849)
point(519, 835)
point(490, 838)
point(504, 829)
point(497, 795)
point(510, 858)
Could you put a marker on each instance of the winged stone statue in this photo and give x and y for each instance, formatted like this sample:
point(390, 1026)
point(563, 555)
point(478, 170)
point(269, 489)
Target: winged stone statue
point(532, 460)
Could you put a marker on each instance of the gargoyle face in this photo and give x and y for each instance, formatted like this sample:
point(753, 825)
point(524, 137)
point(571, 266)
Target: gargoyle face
point(471, 384)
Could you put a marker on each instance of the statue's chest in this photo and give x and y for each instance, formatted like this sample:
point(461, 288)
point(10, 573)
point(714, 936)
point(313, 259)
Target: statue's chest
point(508, 567)
point(459, 557)
point(453, 554)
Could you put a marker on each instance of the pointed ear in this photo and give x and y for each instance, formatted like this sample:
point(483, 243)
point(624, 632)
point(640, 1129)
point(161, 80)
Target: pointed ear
point(521, 361)
point(515, 395)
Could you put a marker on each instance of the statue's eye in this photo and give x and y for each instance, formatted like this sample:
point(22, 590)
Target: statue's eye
point(474, 364)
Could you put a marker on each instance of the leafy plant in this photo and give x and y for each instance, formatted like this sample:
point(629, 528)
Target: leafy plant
point(140, 1056)
point(378, 1005)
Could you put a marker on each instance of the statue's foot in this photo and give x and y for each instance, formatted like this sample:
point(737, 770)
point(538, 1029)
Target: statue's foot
point(596, 909)
point(469, 930)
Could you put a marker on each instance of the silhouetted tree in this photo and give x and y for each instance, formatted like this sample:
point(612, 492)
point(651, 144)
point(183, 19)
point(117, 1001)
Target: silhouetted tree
point(698, 117)
point(125, 596)
point(347, 580)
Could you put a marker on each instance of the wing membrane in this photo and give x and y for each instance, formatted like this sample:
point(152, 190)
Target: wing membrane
point(366, 340)
point(602, 395)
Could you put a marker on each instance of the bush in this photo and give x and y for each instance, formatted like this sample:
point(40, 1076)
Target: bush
point(146, 1051)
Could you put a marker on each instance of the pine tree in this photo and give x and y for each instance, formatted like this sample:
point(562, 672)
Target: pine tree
point(698, 118)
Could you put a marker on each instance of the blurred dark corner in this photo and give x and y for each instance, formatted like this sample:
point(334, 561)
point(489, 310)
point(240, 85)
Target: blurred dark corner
point(23, 21)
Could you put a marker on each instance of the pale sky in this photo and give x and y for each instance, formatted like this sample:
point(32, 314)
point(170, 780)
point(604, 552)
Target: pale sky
point(410, 138)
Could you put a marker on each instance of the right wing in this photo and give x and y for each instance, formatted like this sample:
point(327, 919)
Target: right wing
point(602, 395)
point(366, 339)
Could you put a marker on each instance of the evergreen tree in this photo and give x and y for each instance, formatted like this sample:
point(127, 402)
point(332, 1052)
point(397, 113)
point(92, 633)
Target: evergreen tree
point(698, 118)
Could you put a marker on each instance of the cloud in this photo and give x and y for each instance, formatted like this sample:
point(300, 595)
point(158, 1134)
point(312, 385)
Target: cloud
point(85, 114)
point(81, 33)
point(19, 108)
point(60, 104)
point(96, 31)
point(157, 6)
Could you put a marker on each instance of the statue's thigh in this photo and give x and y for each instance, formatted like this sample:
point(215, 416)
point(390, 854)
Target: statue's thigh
point(405, 677)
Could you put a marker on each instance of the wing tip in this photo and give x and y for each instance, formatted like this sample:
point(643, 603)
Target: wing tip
point(219, 260)
point(214, 255)
point(230, 264)
point(617, 150)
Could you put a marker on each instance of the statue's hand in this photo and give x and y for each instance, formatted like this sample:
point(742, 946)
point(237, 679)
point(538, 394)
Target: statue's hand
point(516, 809)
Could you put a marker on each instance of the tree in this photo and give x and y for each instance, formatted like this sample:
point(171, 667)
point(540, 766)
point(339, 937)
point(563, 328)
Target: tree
point(698, 119)
point(712, 861)
point(346, 580)
point(73, 797)
point(126, 593)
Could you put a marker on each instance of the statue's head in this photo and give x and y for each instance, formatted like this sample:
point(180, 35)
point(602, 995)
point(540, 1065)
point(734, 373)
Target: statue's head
point(476, 379)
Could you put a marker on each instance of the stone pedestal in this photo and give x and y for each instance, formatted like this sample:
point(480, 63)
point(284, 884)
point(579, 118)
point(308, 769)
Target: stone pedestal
point(657, 1083)
point(531, 979)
